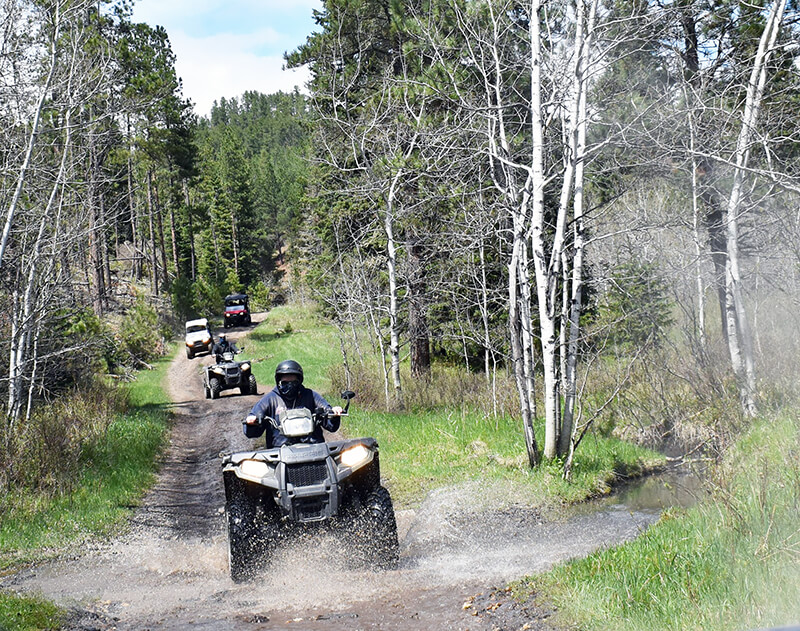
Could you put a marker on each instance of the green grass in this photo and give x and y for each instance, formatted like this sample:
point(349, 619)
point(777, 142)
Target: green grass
point(28, 614)
point(424, 450)
point(118, 468)
point(732, 562)
point(293, 332)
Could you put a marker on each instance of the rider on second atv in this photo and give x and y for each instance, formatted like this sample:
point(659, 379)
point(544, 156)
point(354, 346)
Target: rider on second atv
point(288, 394)
point(223, 346)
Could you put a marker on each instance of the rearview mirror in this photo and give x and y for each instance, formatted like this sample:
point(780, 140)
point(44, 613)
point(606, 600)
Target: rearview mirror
point(348, 394)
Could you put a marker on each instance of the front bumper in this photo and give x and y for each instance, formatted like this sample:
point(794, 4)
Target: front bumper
point(306, 481)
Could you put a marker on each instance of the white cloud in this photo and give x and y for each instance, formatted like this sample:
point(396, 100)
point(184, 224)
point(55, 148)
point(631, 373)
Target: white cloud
point(225, 47)
point(225, 66)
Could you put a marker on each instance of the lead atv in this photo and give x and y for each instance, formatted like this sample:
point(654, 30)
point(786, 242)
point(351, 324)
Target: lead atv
point(227, 374)
point(274, 495)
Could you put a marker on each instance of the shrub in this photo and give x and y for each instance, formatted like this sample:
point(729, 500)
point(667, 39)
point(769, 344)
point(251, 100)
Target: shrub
point(45, 452)
point(142, 336)
point(636, 311)
point(261, 296)
point(92, 351)
point(182, 298)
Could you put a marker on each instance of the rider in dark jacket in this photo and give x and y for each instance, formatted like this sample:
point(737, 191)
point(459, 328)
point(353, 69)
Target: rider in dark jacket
point(288, 394)
point(223, 346)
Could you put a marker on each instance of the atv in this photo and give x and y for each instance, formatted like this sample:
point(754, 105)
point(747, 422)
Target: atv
point(227, 374)
point(274, 495)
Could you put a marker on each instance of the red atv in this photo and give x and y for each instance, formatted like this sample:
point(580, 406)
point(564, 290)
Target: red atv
point(237, 310)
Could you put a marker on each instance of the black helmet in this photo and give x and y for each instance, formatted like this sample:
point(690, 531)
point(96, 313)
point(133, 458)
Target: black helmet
point(289, 367)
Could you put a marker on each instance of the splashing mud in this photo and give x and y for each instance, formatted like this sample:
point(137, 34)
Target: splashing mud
point(170, 571)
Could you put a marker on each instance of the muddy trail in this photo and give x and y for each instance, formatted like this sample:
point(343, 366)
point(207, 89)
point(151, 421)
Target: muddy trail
point(457, 550)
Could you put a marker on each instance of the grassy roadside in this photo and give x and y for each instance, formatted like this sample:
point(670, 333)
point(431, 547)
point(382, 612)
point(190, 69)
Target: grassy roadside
point(425, 450)
point(732, 562)
point(118, 468)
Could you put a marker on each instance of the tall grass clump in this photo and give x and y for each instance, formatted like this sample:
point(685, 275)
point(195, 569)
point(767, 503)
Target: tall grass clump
point(446, 386)
point(732, 562)
point(43, 454)
point(81, 465)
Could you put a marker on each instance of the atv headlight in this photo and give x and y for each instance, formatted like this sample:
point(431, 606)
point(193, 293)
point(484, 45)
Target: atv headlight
point(297, 426)
point(245, 366)
point(355, 456)
point(206, 340)
point(254, 468)
point(218, 371)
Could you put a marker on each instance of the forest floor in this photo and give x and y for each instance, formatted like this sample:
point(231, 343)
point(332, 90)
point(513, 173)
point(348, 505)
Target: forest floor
point(458, 550)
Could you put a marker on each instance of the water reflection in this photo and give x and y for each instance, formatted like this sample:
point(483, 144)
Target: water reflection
point(645, 497)
point(662, 491)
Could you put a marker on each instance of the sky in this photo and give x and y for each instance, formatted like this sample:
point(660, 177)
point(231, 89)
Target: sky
point(225, 47)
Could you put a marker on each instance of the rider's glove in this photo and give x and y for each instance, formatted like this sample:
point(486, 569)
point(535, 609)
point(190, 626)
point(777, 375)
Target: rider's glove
point(251, 419)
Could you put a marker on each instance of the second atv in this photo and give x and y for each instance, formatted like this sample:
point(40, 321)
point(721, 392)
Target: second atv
point(228, 374)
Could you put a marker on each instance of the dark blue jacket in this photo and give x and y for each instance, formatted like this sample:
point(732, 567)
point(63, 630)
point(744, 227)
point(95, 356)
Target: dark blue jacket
point(272, 404)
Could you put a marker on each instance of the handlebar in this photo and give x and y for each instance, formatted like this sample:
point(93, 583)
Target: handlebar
point(321, 413)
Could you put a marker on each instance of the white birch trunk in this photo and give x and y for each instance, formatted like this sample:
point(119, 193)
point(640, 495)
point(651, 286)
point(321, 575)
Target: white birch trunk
point(583, 50)
point(520, 303)
point(739, 334)
point(698, 246)
point(14, 380)
point(391, 269)
point(547, 324)
point(37, 115)
point(517, 352)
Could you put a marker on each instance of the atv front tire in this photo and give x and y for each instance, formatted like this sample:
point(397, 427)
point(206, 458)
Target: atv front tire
point(240, 514)
point(189, 353)
point(251, 387)
point(215, 386)
point(379, 529)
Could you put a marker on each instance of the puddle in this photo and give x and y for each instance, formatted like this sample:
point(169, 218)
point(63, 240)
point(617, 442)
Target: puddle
point(659, 492)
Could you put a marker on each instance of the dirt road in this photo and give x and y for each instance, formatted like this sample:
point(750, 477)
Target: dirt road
point(170, 571)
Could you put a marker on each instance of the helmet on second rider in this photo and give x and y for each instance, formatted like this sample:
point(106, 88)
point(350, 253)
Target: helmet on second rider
point(288, 367)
